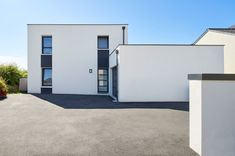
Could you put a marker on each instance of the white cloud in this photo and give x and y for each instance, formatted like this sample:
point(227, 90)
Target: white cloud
point(19, 61)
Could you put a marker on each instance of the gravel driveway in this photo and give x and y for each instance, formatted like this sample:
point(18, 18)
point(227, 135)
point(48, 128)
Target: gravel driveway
point(91, 125)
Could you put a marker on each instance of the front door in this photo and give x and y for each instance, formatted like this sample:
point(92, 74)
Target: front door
point(114, 82)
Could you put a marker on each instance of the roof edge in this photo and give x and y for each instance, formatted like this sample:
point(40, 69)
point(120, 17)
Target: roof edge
point(212, 29)
point(203, 34)
point(192, 45)
point(221, 28)
point(77, 24)
point(166, 45)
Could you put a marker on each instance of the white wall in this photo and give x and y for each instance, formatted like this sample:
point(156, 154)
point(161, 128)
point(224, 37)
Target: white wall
point(159, 73)
point(218, 128)
point(34, 63)
point(113, 59)
point(195, 115)
point(74, 53)
point(215, 114)
point(222, 38)
point(112, 63)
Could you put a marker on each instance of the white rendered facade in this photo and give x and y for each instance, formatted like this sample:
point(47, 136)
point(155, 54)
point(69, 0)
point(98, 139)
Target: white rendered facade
point(74, 54)
point(212, 115)
point(149, 73)
point(224, 37)
point(135, 72)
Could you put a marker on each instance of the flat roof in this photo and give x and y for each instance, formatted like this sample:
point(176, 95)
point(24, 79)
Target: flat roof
point(166, 45)
point(192, 45)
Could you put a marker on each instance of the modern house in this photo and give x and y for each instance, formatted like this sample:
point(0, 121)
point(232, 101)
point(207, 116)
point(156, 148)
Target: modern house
point(71, 59)
point(97, 60)
point(224, 36)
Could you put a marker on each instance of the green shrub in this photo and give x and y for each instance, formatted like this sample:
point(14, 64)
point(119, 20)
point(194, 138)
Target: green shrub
point(24, 73)
point(3, 87)
point(12, 74)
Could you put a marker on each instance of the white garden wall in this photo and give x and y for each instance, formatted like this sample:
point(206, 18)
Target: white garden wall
point(212, 115)
point(159, 72)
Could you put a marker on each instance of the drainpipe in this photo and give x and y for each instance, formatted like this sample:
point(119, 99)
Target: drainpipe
point(117, 73)
point(123, 35)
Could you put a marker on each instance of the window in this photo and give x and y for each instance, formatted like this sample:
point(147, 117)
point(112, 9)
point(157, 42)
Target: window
point(47, 44)
point(47, 77)
point(103, 80)
point(103, 42)
point(103, 63)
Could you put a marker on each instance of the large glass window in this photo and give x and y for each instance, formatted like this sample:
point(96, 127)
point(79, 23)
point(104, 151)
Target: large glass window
point(46, 44)
point(47, 77)
point(103, 42)
point(103, 80)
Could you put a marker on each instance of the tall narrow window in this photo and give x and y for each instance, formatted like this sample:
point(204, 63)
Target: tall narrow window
point(46, 44)
point(103, 63)
point(46, 76)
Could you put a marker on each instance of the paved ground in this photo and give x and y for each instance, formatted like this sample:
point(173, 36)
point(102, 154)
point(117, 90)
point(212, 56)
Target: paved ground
point(91, 125)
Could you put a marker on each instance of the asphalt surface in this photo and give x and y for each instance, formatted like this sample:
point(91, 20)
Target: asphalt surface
point(91, 125)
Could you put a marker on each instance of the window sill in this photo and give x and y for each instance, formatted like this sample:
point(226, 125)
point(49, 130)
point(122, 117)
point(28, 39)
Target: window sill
point(103, 49)
point(46, 54)
point(46, 86)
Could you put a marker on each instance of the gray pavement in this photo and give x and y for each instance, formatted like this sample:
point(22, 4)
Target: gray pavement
point(91, 125)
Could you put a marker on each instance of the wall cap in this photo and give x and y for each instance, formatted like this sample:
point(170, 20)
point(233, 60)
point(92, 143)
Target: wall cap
point(217, 77)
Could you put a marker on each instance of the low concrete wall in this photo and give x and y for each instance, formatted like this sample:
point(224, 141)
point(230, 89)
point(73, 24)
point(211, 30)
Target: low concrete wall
point(212, 113)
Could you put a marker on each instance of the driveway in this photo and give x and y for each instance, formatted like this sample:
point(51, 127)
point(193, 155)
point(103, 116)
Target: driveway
point(91, 125)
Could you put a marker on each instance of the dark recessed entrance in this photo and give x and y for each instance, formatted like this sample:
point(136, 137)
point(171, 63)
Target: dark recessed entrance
point(114, 82)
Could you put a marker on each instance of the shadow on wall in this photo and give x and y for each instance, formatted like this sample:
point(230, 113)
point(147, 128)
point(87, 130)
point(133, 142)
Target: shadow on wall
point(68, 101)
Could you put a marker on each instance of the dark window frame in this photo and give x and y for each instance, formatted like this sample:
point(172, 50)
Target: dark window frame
point(43, 46)
point(105, 36)
point(104, 53)
point(99, 50)
point(43, 77)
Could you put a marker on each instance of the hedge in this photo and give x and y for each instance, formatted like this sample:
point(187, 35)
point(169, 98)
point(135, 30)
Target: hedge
point(3, 88)
point(12, 74)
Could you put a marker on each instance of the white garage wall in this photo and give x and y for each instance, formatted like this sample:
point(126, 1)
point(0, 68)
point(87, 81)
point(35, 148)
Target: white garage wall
point(222, 38)
point(74, 52)
point(159, 73)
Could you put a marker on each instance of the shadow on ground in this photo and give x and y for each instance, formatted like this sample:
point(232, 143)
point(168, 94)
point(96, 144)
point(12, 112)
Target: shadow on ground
point(105, 102)
point(2, 98)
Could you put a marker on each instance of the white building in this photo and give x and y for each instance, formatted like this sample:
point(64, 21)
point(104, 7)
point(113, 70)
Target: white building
point(96, 59)
point(222, 36)
point(71, 59)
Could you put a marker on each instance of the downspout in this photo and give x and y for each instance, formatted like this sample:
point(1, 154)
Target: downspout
point(117, 75)
point(123, 35)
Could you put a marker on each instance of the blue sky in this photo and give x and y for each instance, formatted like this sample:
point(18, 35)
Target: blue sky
point(150, 21)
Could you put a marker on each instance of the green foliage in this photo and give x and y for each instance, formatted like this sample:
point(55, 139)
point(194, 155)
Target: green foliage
point(24, 74)
point(12, 74)
point(3, 87)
